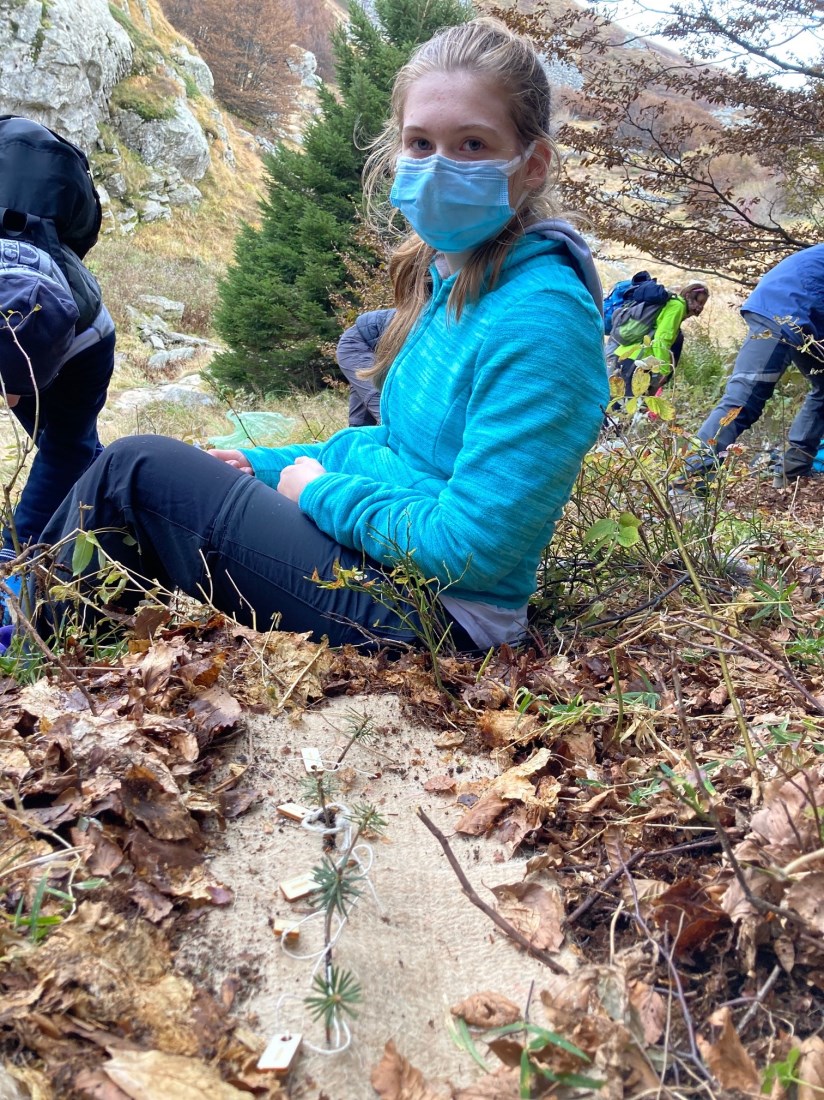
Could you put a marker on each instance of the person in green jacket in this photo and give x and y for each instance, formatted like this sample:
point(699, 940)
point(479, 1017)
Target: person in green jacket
point(659, 338)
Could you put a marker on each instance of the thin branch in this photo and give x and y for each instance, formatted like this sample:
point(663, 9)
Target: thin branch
point(493, 915)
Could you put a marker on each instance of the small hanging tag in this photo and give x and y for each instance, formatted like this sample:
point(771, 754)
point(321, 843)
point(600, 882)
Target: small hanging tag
point(280, 1053)
point(285, 929)
point(298, 886)
point(312, 761)
point(293, 811)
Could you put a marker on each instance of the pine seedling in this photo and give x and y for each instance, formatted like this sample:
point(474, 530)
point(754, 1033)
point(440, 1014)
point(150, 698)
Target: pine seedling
point(335, 993)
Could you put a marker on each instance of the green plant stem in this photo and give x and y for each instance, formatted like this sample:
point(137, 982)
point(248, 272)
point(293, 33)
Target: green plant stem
point(619, 695)
point(700, 591)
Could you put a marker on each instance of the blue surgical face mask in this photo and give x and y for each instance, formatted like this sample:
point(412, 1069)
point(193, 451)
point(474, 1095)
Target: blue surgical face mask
point(454, 205)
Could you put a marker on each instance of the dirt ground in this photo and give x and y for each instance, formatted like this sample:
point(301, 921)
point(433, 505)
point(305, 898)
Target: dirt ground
point(416, 947)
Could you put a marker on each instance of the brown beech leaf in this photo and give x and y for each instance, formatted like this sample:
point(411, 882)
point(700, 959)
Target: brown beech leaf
point(175, 869)
point(651, 1010)
point(156, 664)
point(482, 816)
point(516, 783)
point(395, 1078)
point(518, 823)
point(204, 671)
point(502, 1085)
point(440, 784)
point(152, 904)
point(806, 896)
point(487, 1010)
point(689, 914)
point(535, 911)
point(152, 1075)
point(213, 711)
point(148, 619)
point(726, 1058)
point(147, 797)
point(505, 727)
point(236, 802)
point(102, 856)
point(787, 824)
point(810, 1069)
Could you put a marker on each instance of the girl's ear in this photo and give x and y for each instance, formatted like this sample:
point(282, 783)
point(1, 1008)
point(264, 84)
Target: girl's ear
point(538, 165)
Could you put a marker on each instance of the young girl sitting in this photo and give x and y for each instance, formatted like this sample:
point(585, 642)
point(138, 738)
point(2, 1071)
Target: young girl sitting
point(493, 388)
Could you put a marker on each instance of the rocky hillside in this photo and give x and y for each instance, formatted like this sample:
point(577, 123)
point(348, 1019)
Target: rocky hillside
point(120, 81)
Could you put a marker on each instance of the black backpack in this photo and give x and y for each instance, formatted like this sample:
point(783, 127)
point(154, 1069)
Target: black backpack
point(48, 199)
point(636, 316)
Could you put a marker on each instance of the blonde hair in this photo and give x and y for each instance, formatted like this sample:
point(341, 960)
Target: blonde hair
point(484, 47)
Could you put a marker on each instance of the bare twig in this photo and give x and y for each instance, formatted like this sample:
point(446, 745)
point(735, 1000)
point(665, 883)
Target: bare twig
point(54, 658)
point(636, 857)
point(494, 916)
point(673, 969)
point(815, 704)
point(759, 997)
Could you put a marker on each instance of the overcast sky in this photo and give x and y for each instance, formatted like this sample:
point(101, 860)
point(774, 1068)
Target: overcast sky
point(641, 16)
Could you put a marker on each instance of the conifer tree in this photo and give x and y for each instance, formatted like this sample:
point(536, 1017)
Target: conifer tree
point(275, 311)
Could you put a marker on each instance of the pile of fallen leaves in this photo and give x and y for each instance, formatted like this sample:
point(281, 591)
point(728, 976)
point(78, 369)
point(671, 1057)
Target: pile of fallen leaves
point(674, 879)
point(109, 795)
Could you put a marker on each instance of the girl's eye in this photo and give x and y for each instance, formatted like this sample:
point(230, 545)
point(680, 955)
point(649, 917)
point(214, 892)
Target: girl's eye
point(419, 145)
point(473, 145)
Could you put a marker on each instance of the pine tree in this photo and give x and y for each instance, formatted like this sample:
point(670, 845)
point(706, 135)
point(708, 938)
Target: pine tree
point(275, 311)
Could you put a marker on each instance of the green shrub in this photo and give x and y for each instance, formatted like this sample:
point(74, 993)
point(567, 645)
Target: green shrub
point(151, 97)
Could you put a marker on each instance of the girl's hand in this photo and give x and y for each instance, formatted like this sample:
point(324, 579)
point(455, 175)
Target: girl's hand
point(295, 478)
point(233, 458)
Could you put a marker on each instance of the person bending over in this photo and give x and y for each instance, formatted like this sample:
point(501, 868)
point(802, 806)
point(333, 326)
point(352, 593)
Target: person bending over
point(785, 319)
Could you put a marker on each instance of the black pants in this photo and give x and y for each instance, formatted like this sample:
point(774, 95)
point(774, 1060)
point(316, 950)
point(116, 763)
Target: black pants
point(172, 513)
point(67, 441)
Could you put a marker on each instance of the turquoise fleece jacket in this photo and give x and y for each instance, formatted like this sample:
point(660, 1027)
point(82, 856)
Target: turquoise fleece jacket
point(485, 422)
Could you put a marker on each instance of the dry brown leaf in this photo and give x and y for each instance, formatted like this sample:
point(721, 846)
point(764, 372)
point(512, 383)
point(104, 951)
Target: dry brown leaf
point(487, 1010)
point(535, 911)
point(787, 824)
point(156, 664)
point(175, 869)
point(395, 1078)
point(150, 795)
point(516, 783)
point(650, 1008)
point(441, 784)
point(482, 816)
point(506, 727)
point(214, 711)
point(689, 915)
point(518, 823)
point(152, 1075)
point(806, 896)
point(810, 1069)
point(502, 1085)
point(726, 1058)
point(148, 619)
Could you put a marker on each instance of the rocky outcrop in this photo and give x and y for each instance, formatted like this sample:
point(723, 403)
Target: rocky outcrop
point(196, 68)
point(176, 142)
point(59, 63)
point(304, 65)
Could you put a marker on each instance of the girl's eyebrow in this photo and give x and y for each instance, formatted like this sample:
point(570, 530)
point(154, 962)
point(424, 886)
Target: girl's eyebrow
point(463, 128)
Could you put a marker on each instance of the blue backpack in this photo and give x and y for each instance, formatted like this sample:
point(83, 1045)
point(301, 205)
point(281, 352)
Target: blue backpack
point(637, 315)
point(618, 294)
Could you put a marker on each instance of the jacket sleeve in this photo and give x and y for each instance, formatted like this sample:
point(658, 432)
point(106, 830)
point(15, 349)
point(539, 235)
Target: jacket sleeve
point(519, 457)
point(667, 327)
point(356, 353)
